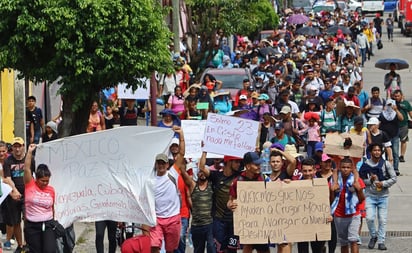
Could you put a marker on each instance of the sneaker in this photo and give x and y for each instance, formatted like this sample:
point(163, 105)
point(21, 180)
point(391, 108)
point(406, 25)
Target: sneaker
point(381, 246)
point(401, 159)
point(372, 242)
point(359, 242)
point(7, 245)
point(12, 241)
point(397, 173)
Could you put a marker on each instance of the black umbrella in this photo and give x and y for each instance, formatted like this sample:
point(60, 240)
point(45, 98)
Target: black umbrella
point(334, 29)
point(268, 51)
point(308, 30)
point(385, 63)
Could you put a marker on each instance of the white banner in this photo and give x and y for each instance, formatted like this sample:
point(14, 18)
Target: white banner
point(139, 93)
point(230, 135)
point(194, 132)
point(105, 175)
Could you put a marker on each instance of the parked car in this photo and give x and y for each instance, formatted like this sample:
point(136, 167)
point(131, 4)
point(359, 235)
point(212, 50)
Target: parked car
point(373, 6)
point(319, 6)
point(355, 5)
point(343, 6)
point(232, 79)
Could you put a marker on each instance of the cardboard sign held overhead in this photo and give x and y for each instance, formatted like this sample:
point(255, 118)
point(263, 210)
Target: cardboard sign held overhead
point(281, 212)
point(230, 135)
point(334, 145)
point(194, 130)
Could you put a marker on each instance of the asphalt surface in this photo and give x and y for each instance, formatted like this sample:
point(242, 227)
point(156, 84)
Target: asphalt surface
point(399, 224)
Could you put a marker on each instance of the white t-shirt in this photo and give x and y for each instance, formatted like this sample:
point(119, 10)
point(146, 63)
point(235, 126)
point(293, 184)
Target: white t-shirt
point(167, 201)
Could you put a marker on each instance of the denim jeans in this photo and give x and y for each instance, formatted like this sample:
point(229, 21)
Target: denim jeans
point(379, 205)
point(183, 232)
point(202, 235)
point(363, 54)
point(395, 152)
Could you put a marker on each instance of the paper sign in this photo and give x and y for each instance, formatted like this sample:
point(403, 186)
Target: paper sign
point(105, 175)
point(334, 144)
point(202, 106)
point(281, 212)
point(139, 93)
point(230, 135)
point(5, 190)
point(194, 131)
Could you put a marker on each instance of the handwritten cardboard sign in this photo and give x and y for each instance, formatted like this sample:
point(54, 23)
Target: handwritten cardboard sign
point(230, 135)
point(334, 144)
point(282, 212)
point(194, 131)
point(128, 93)
point(106, 175)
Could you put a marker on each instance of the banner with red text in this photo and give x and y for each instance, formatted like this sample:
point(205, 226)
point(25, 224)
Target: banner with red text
point(230, 135)
point(106, 175)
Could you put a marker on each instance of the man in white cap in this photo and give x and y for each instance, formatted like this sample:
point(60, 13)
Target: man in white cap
point(168, 200)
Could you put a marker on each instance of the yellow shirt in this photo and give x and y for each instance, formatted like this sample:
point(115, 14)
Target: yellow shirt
point(368, 32)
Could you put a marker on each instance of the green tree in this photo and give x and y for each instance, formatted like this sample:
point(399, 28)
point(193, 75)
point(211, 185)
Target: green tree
point(87, 44)
point(206, 17)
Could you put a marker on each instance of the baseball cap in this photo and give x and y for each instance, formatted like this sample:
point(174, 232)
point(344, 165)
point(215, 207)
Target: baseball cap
point(255, 95)
point(278, 145)
point(162, 157)
point(246, 80)
point(278, 125)
point(319, 146)
point(325, 157)
point(285, 109)
point(18, 140)
point(228, 158)
point(252, 157)
point(174, 141)
point(337, 89)
point(358, 120)
point(263, 97)
point(242, 97)
point(277, 72)
point(373, 121)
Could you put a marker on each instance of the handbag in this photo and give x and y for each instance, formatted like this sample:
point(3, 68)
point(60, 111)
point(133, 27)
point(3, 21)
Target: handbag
point(58, 228)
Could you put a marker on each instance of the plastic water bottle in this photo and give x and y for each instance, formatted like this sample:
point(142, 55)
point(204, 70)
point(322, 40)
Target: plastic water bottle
point(265, 166)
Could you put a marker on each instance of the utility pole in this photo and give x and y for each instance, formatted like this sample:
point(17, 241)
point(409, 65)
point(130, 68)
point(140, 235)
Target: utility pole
point(176, 20)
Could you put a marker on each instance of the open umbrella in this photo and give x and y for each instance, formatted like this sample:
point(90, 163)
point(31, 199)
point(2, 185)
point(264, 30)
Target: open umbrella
point(385, 63)
point(334, 29)
point(268, 51)
point(297, 19)
point(308, 30)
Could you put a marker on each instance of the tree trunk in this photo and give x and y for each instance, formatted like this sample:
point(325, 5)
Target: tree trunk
point(73, 122)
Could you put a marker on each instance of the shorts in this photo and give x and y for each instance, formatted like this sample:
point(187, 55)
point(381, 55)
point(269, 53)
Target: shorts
point(347, 229)
point(167, 229)
point(13, 211)
point(403, 134)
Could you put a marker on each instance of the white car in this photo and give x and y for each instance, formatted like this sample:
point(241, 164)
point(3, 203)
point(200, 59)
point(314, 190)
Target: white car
point(355, 5)
point(373, 6)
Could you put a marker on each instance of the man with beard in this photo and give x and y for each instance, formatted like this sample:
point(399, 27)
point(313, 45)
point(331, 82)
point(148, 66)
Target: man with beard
point(222, 215)
point(251, 173)
point(201, 193)
point(406, 109)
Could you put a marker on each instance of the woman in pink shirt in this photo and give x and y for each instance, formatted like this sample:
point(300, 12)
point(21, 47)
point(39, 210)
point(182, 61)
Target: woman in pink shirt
point(39, 204)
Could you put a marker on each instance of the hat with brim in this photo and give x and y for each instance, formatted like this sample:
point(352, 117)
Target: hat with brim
point(17, 140)
point(291, 150)
point(252, 157)
point(352, 104)
point(162, 157)
point(195, 85)
point(221, 93)
point(373, 121)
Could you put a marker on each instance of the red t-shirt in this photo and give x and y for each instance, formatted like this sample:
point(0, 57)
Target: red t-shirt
point(242, 177)
point(340, 209)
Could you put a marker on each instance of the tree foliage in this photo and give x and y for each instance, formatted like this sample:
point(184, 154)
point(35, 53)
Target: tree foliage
point(88, 44)
point(244, 17)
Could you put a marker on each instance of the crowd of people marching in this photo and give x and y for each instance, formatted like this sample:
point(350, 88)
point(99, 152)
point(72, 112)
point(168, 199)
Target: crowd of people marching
point(306, 81)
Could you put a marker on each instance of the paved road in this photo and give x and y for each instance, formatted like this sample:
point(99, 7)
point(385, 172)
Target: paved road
point(399, 225)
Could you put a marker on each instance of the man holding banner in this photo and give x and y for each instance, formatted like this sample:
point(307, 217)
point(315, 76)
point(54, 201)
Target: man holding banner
point(167, 200)
point(252, 163)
